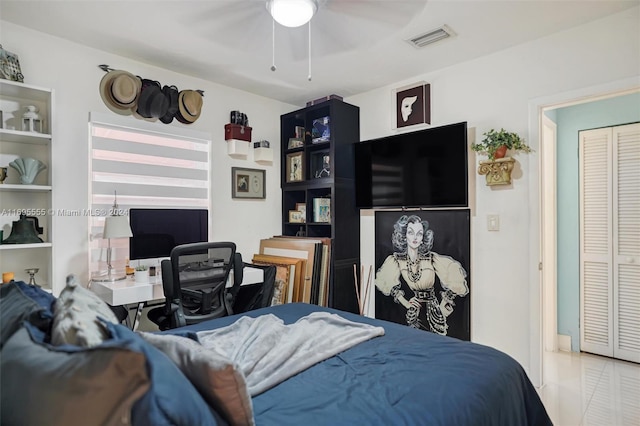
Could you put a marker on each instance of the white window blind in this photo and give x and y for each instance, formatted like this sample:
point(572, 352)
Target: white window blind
point(146, 167)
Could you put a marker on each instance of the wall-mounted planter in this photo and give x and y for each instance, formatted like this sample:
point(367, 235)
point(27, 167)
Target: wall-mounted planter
point(498, 172)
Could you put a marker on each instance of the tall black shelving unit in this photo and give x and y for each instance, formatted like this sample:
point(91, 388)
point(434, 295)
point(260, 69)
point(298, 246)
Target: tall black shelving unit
point(344, 223)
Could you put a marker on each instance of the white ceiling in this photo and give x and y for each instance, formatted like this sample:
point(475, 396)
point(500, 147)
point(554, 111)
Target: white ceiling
point(356, 45)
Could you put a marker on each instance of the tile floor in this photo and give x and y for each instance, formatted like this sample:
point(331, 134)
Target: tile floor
point(583, 390)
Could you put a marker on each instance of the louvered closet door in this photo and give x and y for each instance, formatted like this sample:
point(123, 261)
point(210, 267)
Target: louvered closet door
point(610, 241)
point(596, 283)
point(626, 242)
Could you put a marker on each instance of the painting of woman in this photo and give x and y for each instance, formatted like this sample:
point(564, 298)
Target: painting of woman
point(422, 282)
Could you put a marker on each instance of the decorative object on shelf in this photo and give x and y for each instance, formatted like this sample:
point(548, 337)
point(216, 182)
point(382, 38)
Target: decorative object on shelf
point(296, 216)
point(31, 121)
point(3, 174)
point(299, 132)
point(496, 143)
point(323, 99)
point(28, 169)
point(413, 105)
point(10, 66)
point(320, 132)
point(498, 172)
point(322, 210)
point(240, 118)
point(32, 275)
point(7, 277)
point(248, 183)
point(295, 143)
point(141, 275)
point(302, 208)
point(236, 131)
point(321, 164)
point(25, 230)
point(262, 152)
point(295, 167)
point(115, 226)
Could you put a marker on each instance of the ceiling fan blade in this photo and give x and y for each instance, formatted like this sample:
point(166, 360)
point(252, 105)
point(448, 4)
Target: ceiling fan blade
point(243, 23)
point(396, 13)
point(333, 33)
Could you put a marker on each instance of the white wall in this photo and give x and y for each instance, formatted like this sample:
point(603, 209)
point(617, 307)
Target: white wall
point(492, 92)
point(72, 71)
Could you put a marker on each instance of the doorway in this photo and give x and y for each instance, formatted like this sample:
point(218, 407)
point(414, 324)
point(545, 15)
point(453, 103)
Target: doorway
point(544, 233)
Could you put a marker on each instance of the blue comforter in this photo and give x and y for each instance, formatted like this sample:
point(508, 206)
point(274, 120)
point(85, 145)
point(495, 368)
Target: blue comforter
point(406, 377)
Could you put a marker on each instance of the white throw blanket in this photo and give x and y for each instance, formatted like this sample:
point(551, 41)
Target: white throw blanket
point(269, 352)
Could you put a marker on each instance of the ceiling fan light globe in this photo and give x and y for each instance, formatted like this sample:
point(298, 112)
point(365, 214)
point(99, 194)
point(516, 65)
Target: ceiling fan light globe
point(292, 13)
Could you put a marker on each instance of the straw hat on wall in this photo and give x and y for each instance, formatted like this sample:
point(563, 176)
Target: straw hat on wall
point(189, 106)
point(119, 91)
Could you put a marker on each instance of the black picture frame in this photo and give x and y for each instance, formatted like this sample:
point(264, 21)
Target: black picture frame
point(248, 183)
point(451, 237)
point(416, 111)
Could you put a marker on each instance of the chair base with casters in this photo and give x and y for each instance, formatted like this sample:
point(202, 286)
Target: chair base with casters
point(194, 281)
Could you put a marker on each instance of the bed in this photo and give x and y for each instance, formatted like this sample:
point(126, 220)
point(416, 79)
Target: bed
point(407, 377)
point(404, 377)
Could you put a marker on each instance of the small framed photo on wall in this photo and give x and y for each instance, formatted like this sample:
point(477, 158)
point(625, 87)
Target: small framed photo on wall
point(247, 183)
point(413, 105)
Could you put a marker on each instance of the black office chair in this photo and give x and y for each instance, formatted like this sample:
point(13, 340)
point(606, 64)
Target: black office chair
point(194, 282)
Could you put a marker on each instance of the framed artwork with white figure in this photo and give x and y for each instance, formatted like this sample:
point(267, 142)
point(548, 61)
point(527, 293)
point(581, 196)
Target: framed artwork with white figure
point(413, 105)
point(422, 277)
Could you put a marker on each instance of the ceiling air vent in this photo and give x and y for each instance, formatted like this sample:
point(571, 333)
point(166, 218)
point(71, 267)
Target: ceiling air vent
point(430, 37)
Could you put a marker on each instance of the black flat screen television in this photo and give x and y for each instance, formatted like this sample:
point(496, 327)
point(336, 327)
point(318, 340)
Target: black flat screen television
point(426, 168)
point(157, 231)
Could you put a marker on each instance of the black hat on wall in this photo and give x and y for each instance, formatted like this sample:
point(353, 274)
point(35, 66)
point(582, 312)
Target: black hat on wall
point(172, 94)
point(152, 102)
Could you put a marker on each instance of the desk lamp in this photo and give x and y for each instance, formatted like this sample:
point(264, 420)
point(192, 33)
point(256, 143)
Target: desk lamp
point(115, 226)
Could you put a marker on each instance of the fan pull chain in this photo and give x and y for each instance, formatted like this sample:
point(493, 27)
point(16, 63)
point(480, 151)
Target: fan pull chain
point(309, 76)
point(273, 45)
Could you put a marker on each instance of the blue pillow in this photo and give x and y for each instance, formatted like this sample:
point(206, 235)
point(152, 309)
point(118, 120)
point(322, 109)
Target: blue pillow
point(23, 302)
point(172, 399)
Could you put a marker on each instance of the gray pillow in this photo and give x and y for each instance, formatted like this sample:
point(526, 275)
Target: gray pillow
point(76, 313)
point(218, 379)
point(40, 385)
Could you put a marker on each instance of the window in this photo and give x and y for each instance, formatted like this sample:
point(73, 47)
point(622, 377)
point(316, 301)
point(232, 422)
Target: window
point(146, 166)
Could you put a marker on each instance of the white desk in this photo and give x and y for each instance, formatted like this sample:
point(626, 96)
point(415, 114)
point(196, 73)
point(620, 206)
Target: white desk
point(128, 291)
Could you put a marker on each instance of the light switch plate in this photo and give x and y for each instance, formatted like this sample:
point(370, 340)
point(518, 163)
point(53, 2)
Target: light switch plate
point(493, 222)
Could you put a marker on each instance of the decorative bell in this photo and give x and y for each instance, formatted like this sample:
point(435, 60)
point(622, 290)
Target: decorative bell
point(25, 231)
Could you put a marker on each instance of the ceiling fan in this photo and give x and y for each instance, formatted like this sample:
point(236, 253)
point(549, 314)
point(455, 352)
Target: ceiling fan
point(337, 26)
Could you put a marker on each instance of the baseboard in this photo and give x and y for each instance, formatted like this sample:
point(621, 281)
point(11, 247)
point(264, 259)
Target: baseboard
point(564, 343)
